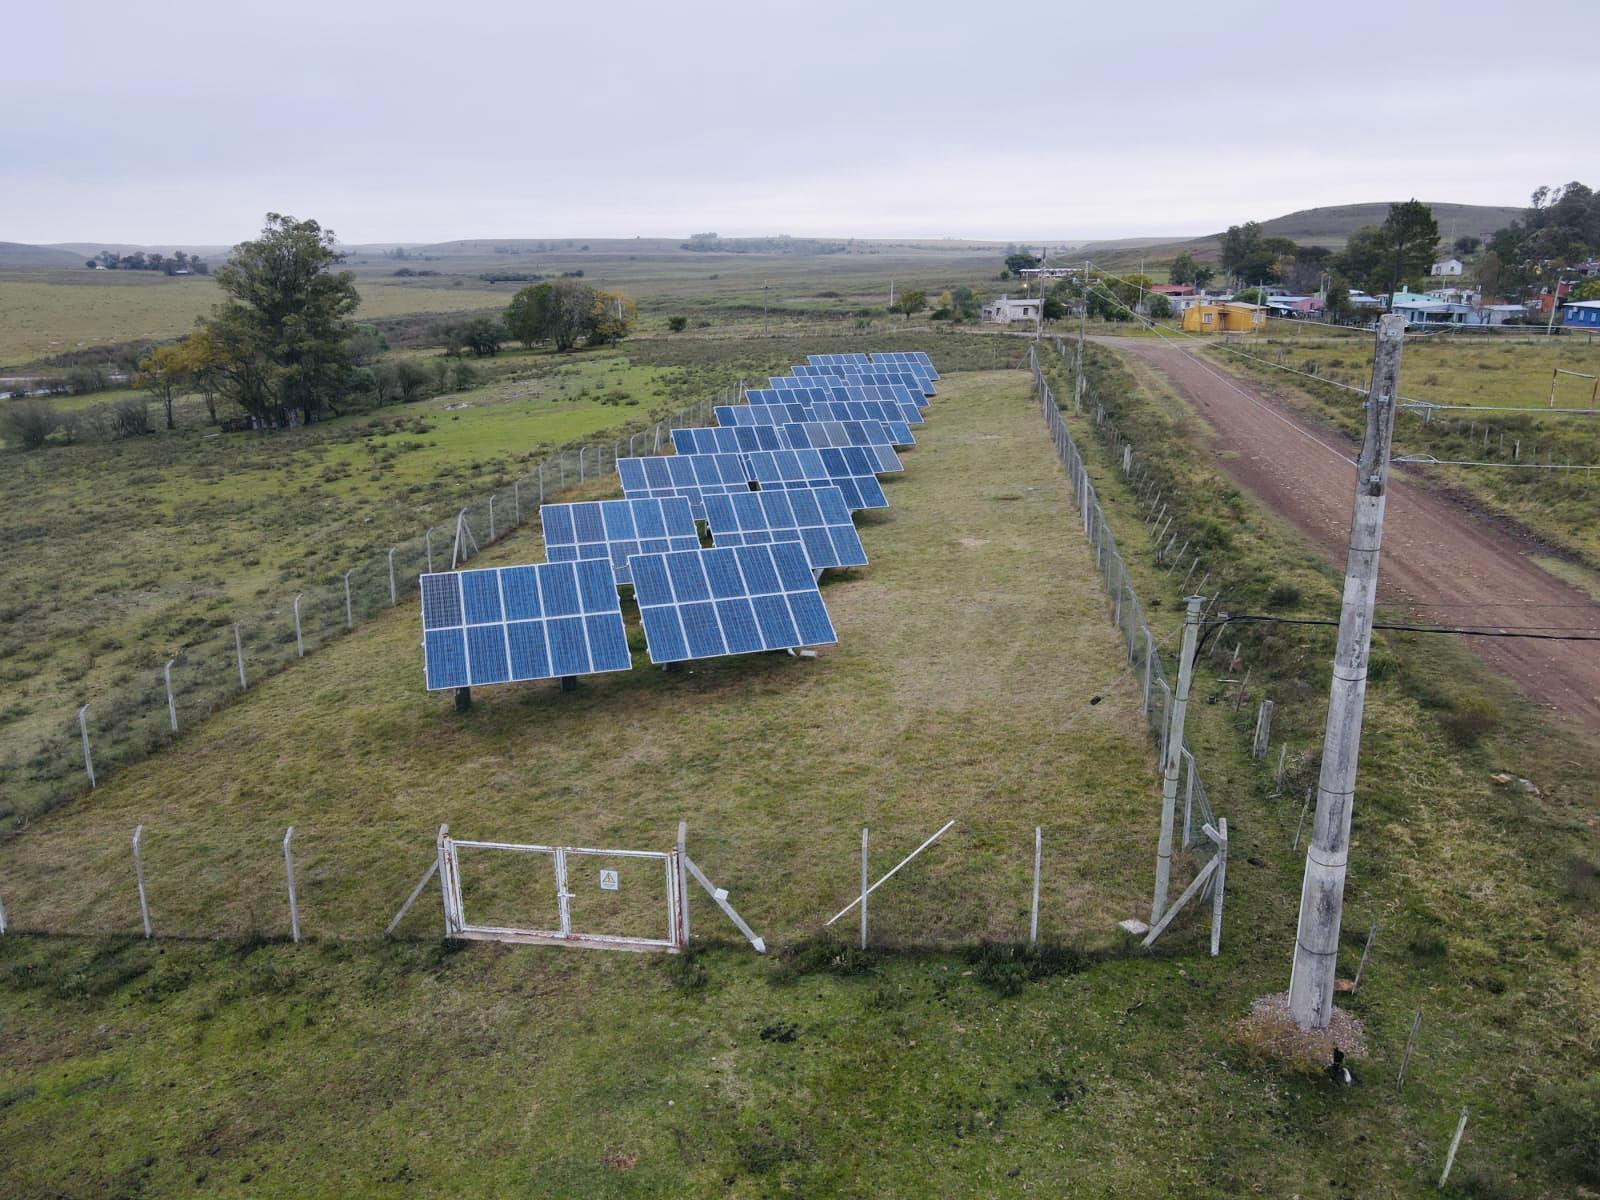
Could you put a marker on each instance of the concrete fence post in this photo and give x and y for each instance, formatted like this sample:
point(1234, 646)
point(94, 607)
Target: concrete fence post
point(138, 875)
point(288, 872)
point(491, 516)
point(394, 596)
point(83, 732)
point(172, 704)
point(238, 654)
point(349, 612)
point(299, 643)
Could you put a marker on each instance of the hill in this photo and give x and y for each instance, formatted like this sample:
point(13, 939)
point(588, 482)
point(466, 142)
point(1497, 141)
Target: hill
point(1329, 226)
point(19, 256)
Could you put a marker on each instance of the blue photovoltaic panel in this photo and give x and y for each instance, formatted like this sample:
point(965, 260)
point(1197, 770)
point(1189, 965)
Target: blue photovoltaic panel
point(760, 413)
point(729, 600)
point(866, 410)
point(819, 468)
point(616, 530)
point(510, 624)
point(691, 476)
point(723, 439)
point(870, 438)
point(818, 518)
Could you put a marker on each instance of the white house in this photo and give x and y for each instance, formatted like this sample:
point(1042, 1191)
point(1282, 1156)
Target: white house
point(1005, 310)
point(1450, 266)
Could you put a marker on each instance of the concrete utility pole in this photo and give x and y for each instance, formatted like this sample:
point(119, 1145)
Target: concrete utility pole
point(1174, 756)
point(1316, 952)
point(1083, 323)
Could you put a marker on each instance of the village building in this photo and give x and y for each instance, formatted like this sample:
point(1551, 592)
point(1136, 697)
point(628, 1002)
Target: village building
point(1008, 309)
point(1224, 318)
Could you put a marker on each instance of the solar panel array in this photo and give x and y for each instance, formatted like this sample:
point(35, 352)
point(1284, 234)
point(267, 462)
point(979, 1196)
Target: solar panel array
point(775, 480)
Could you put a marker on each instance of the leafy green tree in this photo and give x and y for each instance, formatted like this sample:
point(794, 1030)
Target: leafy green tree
point(164, 373)
point(1589, 289)
point(966, 303)
point(1250, 296)
point(1183, 268)
point(1463, 246)
point(1362, 260)
point(1053, 309)
point(528, 317)
point(1160, 307)
point(1409, 236)
point(1021, 261)
point(280, 332)
point(483, 335)
point(364, 345)
point(677, 324)
point(1243, 254)
point(911, 302)
point(572, 312)
point(1337, 306)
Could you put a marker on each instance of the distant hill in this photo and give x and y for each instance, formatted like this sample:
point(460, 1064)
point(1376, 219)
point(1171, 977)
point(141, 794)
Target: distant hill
point(1314, 226)
point(19, 256)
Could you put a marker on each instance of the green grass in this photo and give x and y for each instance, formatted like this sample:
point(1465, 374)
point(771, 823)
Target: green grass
point(48, 313)
point(969, 651)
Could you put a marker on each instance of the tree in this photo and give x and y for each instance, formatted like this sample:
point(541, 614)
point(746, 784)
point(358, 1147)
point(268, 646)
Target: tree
point(1363, 257)
point(1589, 289)
point(483, 335)
point(91, 263)
point(614, 318)
point(528, 316)
point(1184, 269)
point(1410, 234)
point(1463, 246)
point(911, 302)
point(677, 324)
point(280, 333)
point(1247, 255)
point(1250, 296)
point(164, 373)
point(966, 303)
point(1052, 309)
point(1490, 272)
point(400, 381)
point(1160, 306)
point(571, 312)
point(1021, 261)
point(1337, 306)
point(203, 366)
point(364, 345)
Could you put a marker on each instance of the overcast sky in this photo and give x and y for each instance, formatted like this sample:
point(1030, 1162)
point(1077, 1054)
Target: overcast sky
point(173, 121)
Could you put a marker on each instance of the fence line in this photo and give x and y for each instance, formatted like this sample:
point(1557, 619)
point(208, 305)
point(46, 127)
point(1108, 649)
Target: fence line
point(135, 719)
point(1127, 612)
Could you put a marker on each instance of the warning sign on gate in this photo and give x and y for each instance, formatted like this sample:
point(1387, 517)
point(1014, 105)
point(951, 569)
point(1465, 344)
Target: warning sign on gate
point(608, 881)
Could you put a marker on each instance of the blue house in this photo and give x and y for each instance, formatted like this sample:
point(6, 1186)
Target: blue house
point(1581, 314)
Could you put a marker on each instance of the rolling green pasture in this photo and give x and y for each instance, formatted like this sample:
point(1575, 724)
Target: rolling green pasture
point(971, 654)
point(54, 312)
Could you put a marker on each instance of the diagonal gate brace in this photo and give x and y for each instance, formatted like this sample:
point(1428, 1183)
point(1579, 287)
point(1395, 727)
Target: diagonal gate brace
point(720, 895)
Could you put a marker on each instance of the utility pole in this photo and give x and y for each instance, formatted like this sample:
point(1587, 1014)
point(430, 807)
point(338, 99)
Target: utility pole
point(1316, 951)
point(1083, 322)
point(1555, 303)
point(1174, 756)
point(764, 307)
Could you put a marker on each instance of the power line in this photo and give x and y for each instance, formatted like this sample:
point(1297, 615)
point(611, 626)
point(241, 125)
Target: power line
point(1546, 633)
point(1428, 460)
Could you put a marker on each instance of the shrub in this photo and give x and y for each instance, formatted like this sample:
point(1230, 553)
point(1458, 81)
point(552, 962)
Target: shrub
point(1473, 719)
point(1568, 1126)
point(131, 418)
point(1285, 595)
point(28, 423)
point(677, 324)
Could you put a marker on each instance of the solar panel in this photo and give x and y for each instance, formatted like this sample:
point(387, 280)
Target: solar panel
point(887, 413)
point(866, 442)
point(615, 530)
point(727, 440)
point(758, 413)
point(729, 600)
point(818, 518)
point(509, 624)
point(691, 476)
point(820, 468)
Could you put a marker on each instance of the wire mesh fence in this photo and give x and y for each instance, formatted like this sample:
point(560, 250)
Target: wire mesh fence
point(1126, 612)
point(138, 716)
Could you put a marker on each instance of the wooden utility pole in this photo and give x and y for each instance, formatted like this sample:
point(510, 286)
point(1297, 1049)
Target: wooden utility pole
point(1174, 757)
point(1083, 322)
point(1316, 952)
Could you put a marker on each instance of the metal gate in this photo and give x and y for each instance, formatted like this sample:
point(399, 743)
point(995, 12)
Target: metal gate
point(627, 887)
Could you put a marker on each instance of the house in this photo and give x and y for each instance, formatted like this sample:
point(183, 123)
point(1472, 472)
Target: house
point(1006, 310)
point(1499, 314)
point(1448, 266)
point(1170, 290)
point(1588, 269)
point(1581, 314)
point(1294, 307)
point(1048, 272)
point(1224, 318)
point(1183, 302)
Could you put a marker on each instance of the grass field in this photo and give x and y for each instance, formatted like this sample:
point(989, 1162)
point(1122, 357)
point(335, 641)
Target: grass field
point(47, 313)
point(970, 650)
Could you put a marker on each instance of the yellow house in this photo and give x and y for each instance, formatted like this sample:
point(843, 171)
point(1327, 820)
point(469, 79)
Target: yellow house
point(1224, 318)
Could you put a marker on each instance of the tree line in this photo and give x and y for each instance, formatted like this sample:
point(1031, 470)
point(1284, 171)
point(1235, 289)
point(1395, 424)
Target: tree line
point(172, 264)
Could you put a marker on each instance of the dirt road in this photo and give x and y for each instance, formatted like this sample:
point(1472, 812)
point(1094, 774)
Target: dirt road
point(1443, 562)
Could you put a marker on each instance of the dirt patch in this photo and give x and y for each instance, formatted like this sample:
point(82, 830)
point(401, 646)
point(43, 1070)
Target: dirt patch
point(974, 543)
point(1271, 1030)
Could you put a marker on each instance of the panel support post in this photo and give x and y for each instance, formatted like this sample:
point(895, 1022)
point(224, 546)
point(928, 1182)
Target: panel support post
point(516, 501)
point(1033, 915)
point(491, 516)
point(138, 876)
point(172, 703)
point(83, 733)
point(299, 644)
point(1172, 760)
point(864, 888)
point(1316, 951)
point(427, 541)
point(288, 874)
point(238, 653)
